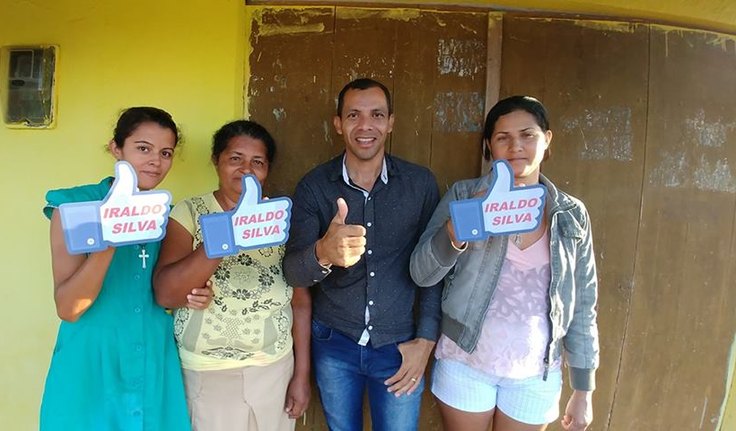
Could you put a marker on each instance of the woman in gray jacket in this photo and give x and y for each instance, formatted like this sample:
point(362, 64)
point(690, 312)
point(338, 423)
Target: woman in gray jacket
point(515, 306)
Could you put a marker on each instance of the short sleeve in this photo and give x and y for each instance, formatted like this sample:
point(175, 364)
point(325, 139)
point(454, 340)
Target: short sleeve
point(184, 215)
point(90, 192)
point(54, 198)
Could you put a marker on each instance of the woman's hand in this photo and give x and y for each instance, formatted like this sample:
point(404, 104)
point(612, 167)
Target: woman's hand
point(460, 245)
point(297, 396)
point(451, 233)
point(78, 278)
point(200, 298)
point(579, 411)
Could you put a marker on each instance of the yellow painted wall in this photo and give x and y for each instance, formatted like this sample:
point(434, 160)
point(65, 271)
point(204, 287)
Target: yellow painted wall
point(184, 56)
point(187, 57)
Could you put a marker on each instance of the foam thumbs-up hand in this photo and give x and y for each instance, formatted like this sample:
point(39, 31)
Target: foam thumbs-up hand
point(125, 216)
point(504, 210)
point(253, 223)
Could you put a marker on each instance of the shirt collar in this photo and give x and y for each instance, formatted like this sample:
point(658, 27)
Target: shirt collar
point(346, 177)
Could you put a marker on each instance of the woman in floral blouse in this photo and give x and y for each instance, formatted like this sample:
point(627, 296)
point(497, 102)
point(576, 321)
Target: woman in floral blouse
point(239, 369)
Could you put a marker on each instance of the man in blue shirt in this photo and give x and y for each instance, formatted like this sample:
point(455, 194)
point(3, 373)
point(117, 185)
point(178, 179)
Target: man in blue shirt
point(354, 224)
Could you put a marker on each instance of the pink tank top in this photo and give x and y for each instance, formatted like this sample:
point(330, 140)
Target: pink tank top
point(515, 333)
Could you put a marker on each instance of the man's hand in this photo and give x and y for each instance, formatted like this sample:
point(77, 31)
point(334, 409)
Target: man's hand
point(343, 244)
point(297, 396)
point(414, 356)
point(579, 411)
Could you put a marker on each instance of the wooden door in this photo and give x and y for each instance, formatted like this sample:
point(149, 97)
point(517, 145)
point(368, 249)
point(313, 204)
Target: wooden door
point(644, 132)
point(433, 62)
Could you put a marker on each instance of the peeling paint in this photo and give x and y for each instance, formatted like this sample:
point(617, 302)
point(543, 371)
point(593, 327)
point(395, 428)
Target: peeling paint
point(280, 80)
point(468, 29)
point(274, 29)
point(674, 170)
point(458, 112)
point(615, 26)
point(716, 177)
point(705, 133)
point(606, 133)
point(671, 171)
point(279, 114)
point(396, 14)
point(266, 22)
point(603, 25)
point(711, 38)
point(261, 17)
point(721, 40)
point(460, 57)
point(367, 65)
point(326, 130)
point(547, 19)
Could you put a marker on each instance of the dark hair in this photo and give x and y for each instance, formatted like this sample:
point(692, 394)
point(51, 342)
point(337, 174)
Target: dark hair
point(508, 105)
point(363, 84)
point(133, 117)
point(242, 128)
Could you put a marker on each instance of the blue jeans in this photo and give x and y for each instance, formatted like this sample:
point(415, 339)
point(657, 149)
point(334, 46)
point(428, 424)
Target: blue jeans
point(344, 370)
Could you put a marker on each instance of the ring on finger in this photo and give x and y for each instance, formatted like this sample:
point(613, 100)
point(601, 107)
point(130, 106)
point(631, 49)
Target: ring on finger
point(413, 379)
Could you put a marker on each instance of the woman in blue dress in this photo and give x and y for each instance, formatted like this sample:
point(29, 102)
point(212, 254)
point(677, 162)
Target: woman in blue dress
point(115, 364)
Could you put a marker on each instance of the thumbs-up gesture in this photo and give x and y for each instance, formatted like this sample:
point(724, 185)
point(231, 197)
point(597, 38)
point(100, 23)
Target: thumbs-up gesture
point(125, 216)
point(343, 244)
point(504, 210)
point(253, 223)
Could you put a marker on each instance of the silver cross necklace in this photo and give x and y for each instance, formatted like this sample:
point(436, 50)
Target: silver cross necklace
point(143, 256)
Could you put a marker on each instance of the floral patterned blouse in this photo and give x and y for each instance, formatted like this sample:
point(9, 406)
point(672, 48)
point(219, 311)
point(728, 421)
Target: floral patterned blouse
point(249, 319)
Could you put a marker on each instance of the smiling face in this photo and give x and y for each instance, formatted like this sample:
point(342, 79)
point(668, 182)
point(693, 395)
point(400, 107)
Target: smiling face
point(364, 124)
point(243, 155)
point(150, 150)
point(518, 139)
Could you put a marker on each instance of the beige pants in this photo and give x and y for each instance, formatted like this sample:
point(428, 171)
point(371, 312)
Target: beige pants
point(240, 399)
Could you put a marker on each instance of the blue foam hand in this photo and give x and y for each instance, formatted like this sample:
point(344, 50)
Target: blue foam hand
point(125, 216)
point(82, 227)
point(504, 209)
point(253, 223)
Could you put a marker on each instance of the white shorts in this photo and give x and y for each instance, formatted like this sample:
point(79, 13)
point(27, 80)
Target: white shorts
point(531, 401)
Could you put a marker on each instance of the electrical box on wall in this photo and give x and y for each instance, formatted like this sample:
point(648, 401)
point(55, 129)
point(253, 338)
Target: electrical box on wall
point(29, 91)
